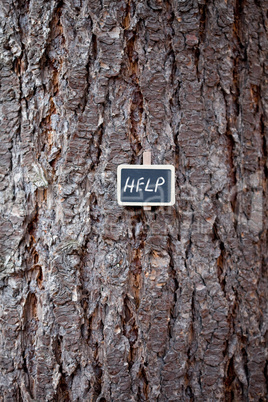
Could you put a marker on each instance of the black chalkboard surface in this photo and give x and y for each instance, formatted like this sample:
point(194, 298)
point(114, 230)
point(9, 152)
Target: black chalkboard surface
point(145, 185)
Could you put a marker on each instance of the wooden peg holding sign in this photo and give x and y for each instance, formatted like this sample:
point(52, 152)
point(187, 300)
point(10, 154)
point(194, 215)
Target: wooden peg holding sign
point(147, 160)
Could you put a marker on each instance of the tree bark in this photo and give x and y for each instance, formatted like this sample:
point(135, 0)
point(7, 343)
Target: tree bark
point(105, 303)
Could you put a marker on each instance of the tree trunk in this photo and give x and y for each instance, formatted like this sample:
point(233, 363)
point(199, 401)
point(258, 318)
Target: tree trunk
point(107, 303)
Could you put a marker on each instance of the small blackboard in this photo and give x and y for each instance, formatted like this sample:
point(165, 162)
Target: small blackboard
point(146, 185)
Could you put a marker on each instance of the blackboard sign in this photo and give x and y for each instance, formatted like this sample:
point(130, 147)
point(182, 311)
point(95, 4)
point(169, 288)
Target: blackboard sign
point(146, 185)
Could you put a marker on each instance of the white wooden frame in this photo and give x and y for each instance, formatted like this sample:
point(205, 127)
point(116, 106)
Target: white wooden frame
point(146, 167)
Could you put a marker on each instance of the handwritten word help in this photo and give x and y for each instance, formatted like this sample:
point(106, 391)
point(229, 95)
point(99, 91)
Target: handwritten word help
point(141, 185)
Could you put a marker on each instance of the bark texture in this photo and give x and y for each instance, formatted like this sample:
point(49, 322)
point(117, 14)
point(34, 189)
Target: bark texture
point(105, 303)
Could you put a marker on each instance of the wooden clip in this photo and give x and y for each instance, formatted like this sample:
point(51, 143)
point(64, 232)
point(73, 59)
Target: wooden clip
point(147, 160)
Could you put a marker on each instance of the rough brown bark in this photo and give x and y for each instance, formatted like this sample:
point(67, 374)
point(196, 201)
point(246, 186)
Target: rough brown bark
point(105, 303)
